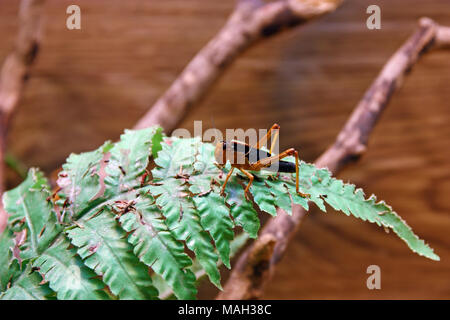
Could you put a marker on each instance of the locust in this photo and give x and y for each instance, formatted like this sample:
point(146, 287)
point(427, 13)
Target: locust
point(248, 158)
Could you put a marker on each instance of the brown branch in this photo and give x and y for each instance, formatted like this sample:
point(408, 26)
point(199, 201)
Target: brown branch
point(352, 140)
point(443, 37)
point(247, 279)
point(251, 21)
point(14, 73)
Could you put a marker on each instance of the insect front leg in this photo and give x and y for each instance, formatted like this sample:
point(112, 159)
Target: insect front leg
point(250, 177)
point(222, 191)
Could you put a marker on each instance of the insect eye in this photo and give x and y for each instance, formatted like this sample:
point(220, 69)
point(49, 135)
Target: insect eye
point(224, 145)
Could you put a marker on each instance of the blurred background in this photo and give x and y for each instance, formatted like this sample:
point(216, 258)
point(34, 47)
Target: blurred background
point(88, 85)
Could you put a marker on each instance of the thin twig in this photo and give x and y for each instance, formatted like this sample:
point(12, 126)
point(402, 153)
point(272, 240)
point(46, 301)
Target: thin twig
point(245, 281)
point(251, 21)
point(14, 74)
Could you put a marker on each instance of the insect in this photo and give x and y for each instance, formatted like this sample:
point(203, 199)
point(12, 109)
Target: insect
point(247, 158)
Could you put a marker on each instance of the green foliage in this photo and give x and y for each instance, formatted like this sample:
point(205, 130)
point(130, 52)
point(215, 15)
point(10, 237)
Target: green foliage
point(156, 246)
point(143, 218)
point(29, 211)
point(103, 246)
point(9, 266)
point(28, 286)
point(66, 273)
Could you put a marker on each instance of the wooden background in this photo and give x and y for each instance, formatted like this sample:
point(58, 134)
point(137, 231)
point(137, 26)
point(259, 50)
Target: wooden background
point(88, 85)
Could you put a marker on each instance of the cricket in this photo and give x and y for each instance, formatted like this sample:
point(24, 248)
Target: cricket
point(248, 158)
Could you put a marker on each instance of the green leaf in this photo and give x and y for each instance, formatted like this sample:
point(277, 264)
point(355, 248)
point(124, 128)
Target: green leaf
point(175, 164)
point(28, 286)
point(122, 220)
point(205, 172)
point(157, 248)
point(351, 201)
point(215, 218)
point(176, 154)
point(103, 246)
point(80, 181)
point(166, 291)
point(66, 273)
point(280, 192)
point(184, 222)
point(129, 159)
point(242, 209)
point(9, 266)
point(262, 196)
point(28, 208)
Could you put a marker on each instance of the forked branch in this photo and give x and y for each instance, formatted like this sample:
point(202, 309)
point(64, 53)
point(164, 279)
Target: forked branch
point(250, 275)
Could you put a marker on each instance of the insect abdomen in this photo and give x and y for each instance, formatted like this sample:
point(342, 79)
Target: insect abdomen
point(286, 166)
point(281, 166)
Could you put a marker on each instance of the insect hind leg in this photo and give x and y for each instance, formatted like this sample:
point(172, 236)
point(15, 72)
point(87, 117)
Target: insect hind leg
point(261, 164)
point(263, 141)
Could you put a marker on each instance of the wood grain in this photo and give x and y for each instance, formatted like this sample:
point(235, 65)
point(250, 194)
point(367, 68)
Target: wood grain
point(88, 85)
